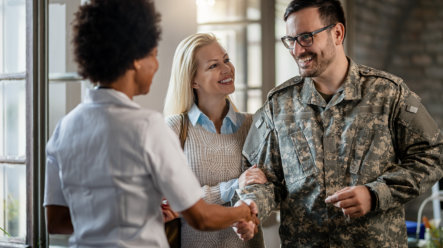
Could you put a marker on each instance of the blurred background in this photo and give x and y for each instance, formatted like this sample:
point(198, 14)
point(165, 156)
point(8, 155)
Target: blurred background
point(39, 83)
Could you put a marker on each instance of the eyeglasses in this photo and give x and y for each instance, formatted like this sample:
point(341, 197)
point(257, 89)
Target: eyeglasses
point(303, 39)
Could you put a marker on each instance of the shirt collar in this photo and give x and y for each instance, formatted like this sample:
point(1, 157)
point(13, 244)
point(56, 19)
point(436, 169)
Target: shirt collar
point(109, 96)
point(195, 114)
point(352, 83)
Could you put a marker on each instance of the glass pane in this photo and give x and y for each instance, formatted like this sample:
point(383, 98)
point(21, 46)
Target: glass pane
point(61, 15)
point(63, 97)
point(280, 26)
point(239, 99)
point(13, 202)
point(254, 56)
point(285, 65)
point(227, 10)
point(12, 36)
point(254, 100)
point(57, 42)
point(253, 10)
point(13, 119)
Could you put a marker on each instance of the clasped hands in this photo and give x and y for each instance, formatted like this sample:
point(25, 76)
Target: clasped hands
point(246, 229)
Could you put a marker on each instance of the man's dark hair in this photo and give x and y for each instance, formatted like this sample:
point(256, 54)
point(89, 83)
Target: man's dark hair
point(110, 34)
point(331, 11)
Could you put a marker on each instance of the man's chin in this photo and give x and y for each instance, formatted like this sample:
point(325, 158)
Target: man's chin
point(306, 73)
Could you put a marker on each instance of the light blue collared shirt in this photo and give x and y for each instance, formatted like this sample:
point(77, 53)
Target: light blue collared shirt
point(231, 123)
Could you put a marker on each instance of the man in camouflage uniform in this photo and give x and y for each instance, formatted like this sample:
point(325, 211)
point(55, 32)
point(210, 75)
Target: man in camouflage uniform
point(344, 146)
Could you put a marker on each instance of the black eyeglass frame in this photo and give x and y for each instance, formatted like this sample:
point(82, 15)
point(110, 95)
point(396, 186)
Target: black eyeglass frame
point(310, 34)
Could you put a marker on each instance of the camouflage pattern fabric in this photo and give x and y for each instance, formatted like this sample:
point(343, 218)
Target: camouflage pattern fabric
point(374, 132)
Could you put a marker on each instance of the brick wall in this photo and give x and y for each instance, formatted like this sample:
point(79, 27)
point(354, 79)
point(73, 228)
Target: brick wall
point(418, 56)
point(374, 24)
point(404, 37)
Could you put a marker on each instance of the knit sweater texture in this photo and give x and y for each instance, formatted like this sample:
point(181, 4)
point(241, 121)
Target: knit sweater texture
point(214, 158)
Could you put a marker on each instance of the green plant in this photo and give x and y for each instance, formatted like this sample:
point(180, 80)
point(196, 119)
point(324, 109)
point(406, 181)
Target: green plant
point(5, 232)
point(13, 213)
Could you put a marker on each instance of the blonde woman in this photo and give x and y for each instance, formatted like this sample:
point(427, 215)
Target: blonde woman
point(201, 80)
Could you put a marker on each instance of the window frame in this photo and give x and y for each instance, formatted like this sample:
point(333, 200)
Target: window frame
point(35, 87)
point(36, 119)
point(266, 22)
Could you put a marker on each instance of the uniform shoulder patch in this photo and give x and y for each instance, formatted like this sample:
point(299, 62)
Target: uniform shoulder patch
point(369, 71)
point(288, 83)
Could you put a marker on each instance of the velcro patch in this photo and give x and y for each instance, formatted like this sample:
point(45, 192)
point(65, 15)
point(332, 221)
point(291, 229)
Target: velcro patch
point(412, 109)
point(259, 122)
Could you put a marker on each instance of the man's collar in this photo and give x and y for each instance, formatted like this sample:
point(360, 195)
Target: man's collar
point(351, 87)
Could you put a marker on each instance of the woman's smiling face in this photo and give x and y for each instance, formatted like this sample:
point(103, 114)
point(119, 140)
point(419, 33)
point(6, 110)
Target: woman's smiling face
point(215, 73)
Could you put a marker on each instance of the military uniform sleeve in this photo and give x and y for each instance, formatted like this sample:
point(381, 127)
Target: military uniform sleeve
point(419, 147)
point(261, 148)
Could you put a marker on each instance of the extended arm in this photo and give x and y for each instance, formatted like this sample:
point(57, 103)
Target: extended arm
point(419, 147)
point(418, 144)
point(207, 217)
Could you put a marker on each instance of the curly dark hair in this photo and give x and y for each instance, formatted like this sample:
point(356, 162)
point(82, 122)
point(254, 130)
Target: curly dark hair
point(331, 11)
point(110, 34)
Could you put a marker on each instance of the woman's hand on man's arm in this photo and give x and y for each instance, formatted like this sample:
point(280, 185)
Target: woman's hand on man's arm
point(253, 175)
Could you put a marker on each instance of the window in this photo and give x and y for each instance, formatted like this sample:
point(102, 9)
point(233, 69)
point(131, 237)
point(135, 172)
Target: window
point(285, 65)
point(250, 30)
point(13, 121)
point(237, 25)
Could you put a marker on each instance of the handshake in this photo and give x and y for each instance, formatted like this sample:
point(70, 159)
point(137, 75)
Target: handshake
point(247, 228)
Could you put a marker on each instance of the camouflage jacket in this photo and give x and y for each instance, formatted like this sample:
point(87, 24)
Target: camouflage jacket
point(374, 132)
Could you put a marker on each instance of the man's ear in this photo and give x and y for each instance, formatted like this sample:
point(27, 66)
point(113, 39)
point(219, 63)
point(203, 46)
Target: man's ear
point(339, 33)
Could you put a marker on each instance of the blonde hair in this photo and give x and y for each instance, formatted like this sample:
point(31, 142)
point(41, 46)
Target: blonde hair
point(180, 95)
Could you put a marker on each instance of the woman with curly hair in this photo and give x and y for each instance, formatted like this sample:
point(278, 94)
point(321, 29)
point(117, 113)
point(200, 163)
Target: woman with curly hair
point(110, 162)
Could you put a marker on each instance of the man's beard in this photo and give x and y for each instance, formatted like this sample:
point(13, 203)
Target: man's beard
point(318, 64)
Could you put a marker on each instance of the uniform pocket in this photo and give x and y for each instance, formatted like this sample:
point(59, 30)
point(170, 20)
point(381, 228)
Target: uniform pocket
point(303, 151)
point(296, 156)
point(368, 144)
point(256, 138)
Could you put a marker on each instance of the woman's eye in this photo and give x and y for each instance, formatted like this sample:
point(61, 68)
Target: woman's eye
point(227, 60)
point(213, 66)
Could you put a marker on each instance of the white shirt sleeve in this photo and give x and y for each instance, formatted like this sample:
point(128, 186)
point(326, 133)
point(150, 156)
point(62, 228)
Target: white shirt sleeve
point(170, 169)
point(53, 190)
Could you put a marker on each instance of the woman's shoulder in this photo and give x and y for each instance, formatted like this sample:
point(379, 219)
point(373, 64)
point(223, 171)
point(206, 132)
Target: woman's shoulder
point(173, 120)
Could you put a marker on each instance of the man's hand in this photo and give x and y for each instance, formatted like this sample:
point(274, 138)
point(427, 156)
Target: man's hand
point(247, 229)
point(354, 201)
point(252, 175)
